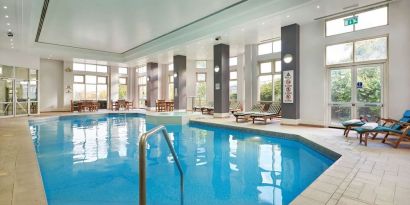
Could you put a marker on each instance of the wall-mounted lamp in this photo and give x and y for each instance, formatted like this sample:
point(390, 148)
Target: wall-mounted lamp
point(287, 58)
point(216, 69)
point(175, 75)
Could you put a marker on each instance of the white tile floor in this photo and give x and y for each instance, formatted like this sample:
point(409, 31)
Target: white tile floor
point(376, 174)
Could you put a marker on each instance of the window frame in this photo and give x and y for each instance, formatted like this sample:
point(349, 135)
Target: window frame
point(272, 43)
point(272, 74)
point(355, 13)
point(361, 62)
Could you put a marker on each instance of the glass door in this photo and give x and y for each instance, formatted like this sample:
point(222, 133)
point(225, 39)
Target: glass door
point(6, 97)
point(355, 92)
point(340, 95)
point(369, 91)
point(21, 97)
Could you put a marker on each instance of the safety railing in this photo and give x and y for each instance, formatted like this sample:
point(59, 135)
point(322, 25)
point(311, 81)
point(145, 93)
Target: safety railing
point(143, 162)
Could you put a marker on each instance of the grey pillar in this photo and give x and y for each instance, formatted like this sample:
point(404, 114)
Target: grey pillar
point(152, 84)
point(180, 99)
point(290, 47)
point(221, 80)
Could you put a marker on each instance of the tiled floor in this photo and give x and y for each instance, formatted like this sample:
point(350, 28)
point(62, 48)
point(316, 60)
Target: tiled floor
point(376, 174)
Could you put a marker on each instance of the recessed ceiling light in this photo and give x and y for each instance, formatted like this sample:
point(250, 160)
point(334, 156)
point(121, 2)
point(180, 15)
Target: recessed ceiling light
point(12, 47)
point(5, 7)
point(318, 6)
point(6, 16)
point(263, 23)
point(287, 16)
point(243, 29)
point(9, 30)
point(11, 39)
point(8, 24)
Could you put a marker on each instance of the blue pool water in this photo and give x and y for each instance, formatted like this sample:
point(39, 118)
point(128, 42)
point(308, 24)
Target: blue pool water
point(94, 160)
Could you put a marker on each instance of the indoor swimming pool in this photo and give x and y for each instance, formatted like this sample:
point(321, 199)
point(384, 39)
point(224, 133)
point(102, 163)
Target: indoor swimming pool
point(94, 160)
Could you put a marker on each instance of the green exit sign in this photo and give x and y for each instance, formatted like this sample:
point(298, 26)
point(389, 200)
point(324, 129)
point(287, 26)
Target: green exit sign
point(351, 21)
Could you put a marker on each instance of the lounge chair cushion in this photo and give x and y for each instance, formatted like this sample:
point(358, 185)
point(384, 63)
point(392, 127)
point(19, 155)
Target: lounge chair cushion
point(353, 122)
point(370, 126)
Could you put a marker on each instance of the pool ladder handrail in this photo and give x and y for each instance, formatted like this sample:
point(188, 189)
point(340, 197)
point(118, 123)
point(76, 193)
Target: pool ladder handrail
point(142, 163)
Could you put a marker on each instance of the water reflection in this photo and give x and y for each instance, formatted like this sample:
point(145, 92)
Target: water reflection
point(98, 158)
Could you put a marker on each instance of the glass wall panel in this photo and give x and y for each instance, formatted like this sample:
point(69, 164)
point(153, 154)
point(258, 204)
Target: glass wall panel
point(22, 73)
point(265, 88)
point(6, 97)
point(337, 26)
point(33, 74)
point(90, 92)
point(6, 71)
point(79, 92)
point(21, 95)
point(340, 53)
point(371, 49)
point(372, 18)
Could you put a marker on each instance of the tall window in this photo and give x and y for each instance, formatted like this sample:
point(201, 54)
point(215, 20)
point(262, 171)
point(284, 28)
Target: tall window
point(200, 89)
point(201, 64)
point(233, 85)
point(142, 90)
point(270, 47)
point(90, 87)
point(123, 83)
point(142, 85)
point(123, 88)
point(358, 21)
point(269, 81)
point(90, 82)
point(171, 87)
point(233, 61)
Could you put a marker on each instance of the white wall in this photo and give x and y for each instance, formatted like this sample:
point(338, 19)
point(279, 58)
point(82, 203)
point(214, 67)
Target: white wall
point(313, 81)
point(51, 85)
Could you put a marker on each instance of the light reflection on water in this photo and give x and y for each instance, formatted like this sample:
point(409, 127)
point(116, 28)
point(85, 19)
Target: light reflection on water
point(95, 161)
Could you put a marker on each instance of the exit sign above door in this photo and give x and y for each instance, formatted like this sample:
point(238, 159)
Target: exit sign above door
point(351, 21)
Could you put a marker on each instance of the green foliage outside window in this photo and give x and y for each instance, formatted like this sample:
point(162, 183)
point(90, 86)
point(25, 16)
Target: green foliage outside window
point(266, 92)
point(122, 95)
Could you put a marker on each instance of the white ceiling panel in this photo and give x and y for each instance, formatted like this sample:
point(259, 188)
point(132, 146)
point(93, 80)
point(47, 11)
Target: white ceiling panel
point(117, 26)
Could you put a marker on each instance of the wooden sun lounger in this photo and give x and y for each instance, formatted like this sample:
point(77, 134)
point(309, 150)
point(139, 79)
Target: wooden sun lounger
point(245, 115)
point(403, 134)
point(273, 111)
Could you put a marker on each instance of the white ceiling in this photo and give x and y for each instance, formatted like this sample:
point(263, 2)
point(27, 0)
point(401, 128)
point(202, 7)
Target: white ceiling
point(108, 25)
point(118, 26)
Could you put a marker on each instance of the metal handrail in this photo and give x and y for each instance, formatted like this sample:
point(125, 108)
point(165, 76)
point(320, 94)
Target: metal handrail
point(142, 163)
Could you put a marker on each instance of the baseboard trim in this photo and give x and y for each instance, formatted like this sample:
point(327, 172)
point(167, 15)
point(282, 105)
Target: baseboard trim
point(289, 121)
point(221, 115)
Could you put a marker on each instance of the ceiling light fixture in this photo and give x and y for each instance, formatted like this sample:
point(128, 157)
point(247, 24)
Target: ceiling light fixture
point(287, 16)
point(11, 39)
point(318, 6)
point(8, 24)
point(9, 30)
point(5, 7)
point(6, 16)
